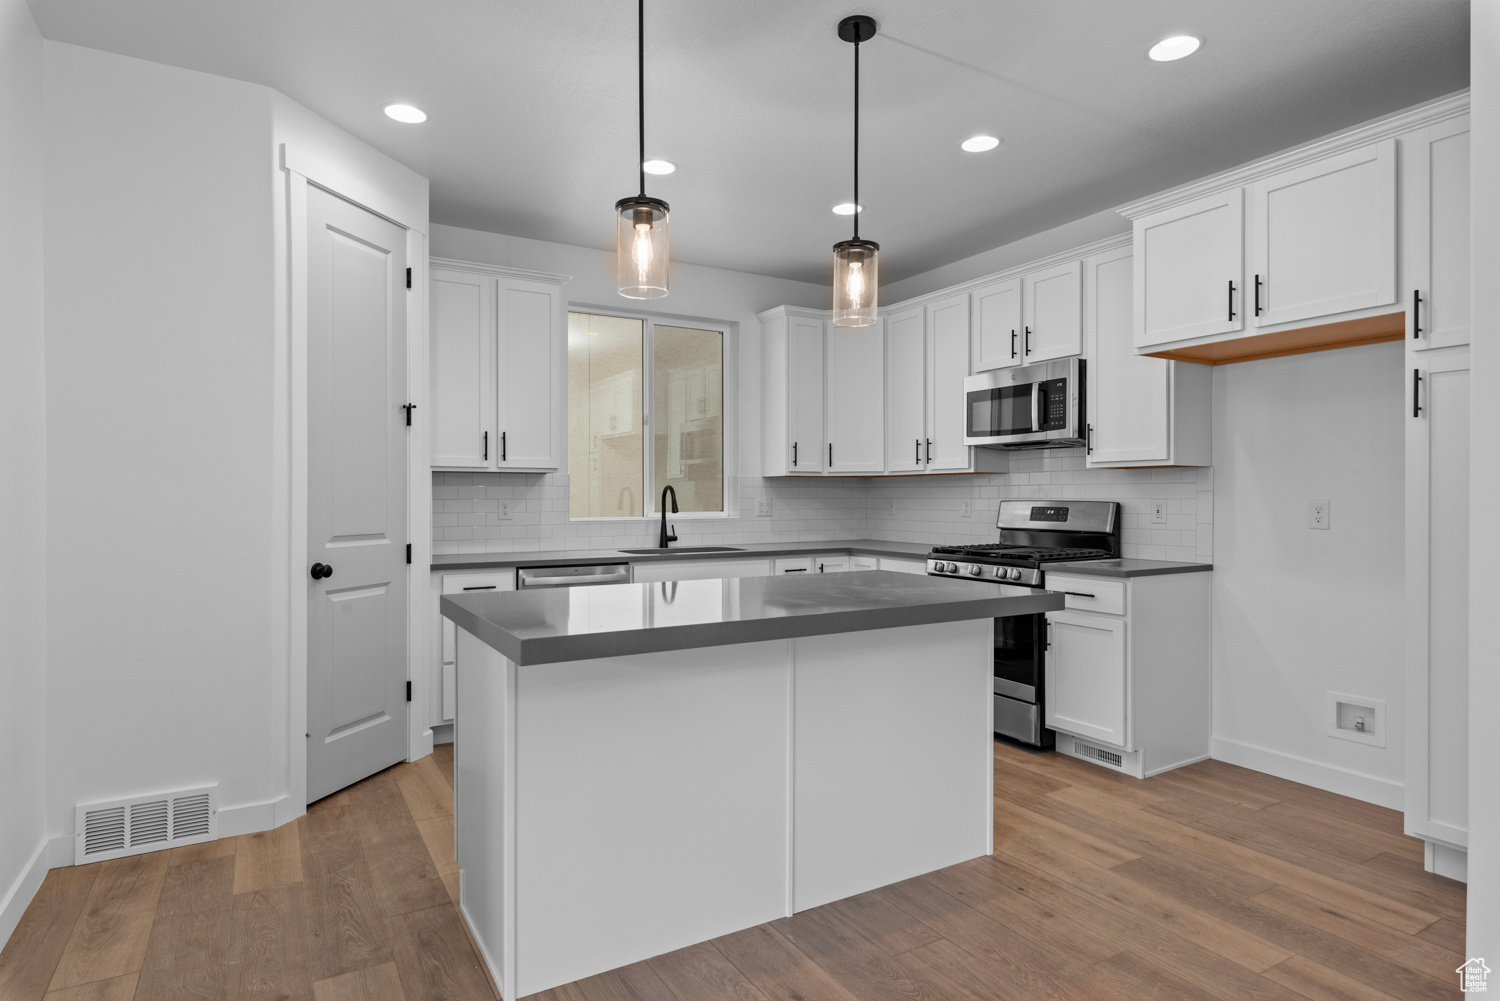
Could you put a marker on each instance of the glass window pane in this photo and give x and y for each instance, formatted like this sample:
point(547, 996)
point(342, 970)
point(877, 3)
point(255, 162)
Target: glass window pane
point(606, 458)
point(688, 417)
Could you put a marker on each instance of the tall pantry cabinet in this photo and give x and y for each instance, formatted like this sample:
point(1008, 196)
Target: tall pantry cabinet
point(1435, 175)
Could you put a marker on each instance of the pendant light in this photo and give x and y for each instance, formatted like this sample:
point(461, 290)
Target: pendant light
point(641, 221)
point(856, 262)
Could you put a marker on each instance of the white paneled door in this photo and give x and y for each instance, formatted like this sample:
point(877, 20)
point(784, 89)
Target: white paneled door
point(357, 472)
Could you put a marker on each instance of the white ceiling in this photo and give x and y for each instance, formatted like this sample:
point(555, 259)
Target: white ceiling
point(532, 104)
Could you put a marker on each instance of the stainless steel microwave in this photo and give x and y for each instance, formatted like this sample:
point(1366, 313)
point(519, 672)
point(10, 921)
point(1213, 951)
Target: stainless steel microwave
point(1036, 406)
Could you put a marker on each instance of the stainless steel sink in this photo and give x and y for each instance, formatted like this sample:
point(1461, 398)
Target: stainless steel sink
point(658, 551)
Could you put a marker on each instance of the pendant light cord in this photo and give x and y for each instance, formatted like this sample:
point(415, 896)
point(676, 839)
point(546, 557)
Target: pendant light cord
point(856, 135)
point(640, 60)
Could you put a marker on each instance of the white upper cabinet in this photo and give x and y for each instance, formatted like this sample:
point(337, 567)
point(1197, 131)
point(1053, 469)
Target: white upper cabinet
point(1323, 237)
point(1142, 411)
point(906, 389)
point(494, 339)
point(1052, 324)
point(947, 367)
point(793, 391)
point(856, 398)
point(462, 367)
point(1435, 189)
point(1189, 270)
point(995, 325)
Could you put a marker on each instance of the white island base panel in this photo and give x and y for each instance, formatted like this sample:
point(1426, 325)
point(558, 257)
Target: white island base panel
point(615, 809)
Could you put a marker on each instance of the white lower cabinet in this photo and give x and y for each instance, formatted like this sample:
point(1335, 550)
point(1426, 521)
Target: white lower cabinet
point(793, 564)
point(442, 689)
point(833, 564)
point(699, 570)
point(863, 563)
point(1128, 670)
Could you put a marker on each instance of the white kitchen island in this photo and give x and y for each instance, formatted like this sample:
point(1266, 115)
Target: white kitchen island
point(640, 767)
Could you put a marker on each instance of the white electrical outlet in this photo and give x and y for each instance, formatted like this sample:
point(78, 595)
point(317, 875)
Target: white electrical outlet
point(1318, 514)
point(890, 507)
point(1159, 512)
point(504, 513)
point(968, 509)
point(763, 507)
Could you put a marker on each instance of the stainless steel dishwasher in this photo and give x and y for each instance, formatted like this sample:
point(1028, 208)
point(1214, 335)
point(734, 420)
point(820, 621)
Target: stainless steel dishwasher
point(587, 575)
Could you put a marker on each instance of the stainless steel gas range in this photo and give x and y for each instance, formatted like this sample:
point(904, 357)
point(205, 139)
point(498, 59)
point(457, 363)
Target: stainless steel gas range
point(1033, 534)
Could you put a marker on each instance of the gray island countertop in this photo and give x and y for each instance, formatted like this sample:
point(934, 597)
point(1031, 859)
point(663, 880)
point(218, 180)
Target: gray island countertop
point(736, 551)
point(553, 625)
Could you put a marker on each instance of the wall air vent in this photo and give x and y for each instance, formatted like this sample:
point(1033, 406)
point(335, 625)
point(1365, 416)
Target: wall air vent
point(1099, 754)
point(144, 824)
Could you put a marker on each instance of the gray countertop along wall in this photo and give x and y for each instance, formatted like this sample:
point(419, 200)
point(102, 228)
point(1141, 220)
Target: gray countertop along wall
point(575, 557)
point(1127, 568)
point(583, 623)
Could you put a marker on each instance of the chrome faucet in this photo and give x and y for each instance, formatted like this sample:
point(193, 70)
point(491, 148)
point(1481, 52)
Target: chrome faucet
point(667, 535)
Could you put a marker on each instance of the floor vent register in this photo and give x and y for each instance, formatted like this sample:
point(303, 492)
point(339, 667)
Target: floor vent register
point(145, 824)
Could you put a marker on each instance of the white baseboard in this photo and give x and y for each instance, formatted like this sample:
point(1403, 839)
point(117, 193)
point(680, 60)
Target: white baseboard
point(252, 817)
point(51, 853)
point(1355, 785)
point(1445, 860)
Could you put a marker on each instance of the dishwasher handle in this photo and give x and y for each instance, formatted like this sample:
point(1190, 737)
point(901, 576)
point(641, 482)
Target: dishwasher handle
point(575, 576)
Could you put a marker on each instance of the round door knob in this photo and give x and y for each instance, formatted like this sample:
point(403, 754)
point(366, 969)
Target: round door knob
point(321, 570)
point(974, 571)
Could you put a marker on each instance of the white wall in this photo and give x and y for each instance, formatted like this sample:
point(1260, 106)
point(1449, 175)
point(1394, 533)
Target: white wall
point(1484, 484)
point(1299, 612)
point(23, 469)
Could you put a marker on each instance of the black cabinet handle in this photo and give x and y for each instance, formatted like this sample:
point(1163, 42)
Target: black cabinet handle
point(917, 458)
point(503, 449)
point(1257, 295)
point(486, 446)
point(1028, 340)
point(1080, 594)
point(1416, 313)
point(1416, 392)
point(1012, 343)
point(1088, 439)
point(481, 587)
point(795, 570)
point(1231, 299)
point(320, 571)
point(794, 453)
point(929, 450)
point(830, 455)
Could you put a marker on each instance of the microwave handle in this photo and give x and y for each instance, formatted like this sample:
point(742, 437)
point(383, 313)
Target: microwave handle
point(1036, 406)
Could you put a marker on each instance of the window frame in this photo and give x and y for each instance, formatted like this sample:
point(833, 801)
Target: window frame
point(728, 405)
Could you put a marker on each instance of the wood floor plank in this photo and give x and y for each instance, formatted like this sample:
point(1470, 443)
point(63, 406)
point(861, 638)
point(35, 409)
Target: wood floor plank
point(268, 957)
point(863, 968)
point(1410, 873)
point(450, 883)
point(1314, 882)
point(375, 983)
point(1137, 902)
point(329, 815)
point(218, 848)
point(1006, 901)
point(1384, 841)
point(1130, 977)
point(113, 989)
point(1075, 774)
point(700, 972)
point(30, 958)
point(393, 847)
point(188, 955)
point(1013, 819)
point(1445, 932)
point(443, 754)
point(109, 939)
point(1287, 791)
point(434, 956)
point(778, 969)
point(1261, 830)
point(1318, 983)
point(268, 858)
point(437, 835)
point(1195, 780)
point(346, 930)
point(943, 966)
point(427, 791)
point(1408, 950)
point(878, 920)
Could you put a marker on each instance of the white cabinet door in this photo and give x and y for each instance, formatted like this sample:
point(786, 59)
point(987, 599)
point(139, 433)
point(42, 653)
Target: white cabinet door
point(1086, 676)
point(833, 564)
point(462, 388)
point(1437, 235)
point(856, 398)
point(1437, 579)
point(699, 570)
point(1053, 313)
point(805, 389)
point(906, 390)
point(1323, 236)
point(1129, 412)
point(529, 317)
point(1190, 269)
point(462, 583)
point(995, 324)
point(947, 368)
point(863, 563)
point(793, 564)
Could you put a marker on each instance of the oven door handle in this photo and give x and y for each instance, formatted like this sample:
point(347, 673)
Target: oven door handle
point(1049, 636)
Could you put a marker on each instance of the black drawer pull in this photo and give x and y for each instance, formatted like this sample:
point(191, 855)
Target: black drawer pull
point(1416, 313)
point(1416, 392)
point(481, 587)
point(1080, 594)
point(1231, 299)
point(795, 570)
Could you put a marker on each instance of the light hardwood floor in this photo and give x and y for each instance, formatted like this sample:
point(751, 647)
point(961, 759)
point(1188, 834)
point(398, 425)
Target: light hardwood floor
point(1210, 883)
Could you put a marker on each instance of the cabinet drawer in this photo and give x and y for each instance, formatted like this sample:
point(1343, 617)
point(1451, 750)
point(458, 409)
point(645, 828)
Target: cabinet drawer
point(493, 580)
point(802, 564)
point(1090, 594)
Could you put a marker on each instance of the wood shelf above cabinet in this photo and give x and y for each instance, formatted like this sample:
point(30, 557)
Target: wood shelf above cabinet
point(1303, 340)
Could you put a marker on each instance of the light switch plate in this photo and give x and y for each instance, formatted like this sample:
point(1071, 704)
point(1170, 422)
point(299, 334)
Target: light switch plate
point(1318, 515)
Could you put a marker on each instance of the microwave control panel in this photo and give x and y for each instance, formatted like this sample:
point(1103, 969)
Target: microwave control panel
point(1054, 404)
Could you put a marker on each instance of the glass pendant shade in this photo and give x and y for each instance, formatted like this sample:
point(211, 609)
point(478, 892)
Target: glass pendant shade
point(856, 281)
point(641, 247)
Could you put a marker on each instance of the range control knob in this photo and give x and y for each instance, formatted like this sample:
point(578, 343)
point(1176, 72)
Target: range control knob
point(1015, 573)
point(1001, 573)
point(974, 570)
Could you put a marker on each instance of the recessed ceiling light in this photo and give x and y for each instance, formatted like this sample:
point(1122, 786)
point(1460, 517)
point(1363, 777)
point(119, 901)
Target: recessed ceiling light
point(658, 166)
point(846, 208)
point(1176, 47)
point(979, 144)
point(405, 113)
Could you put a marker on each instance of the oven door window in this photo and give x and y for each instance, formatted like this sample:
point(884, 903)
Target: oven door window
point(995, 413)
point(1019, 642)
